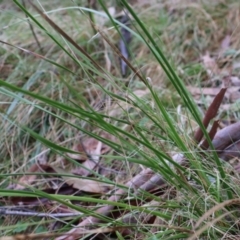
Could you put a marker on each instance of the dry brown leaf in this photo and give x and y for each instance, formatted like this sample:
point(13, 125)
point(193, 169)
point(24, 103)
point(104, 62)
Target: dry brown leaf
point(27, 180)
point(94, 153)
point(91, 147)
point(210, 113)
point(135, 182)
point(5, 70)
point(140, 93)
point(85, 170)
point(82, 154)
point(235, 81)
point(205, 91)
point(227, 136)
point(226, 107)
point(232, 93)
point(211, 134)
point(37, 201)
point(232, 151)
point(210, 64)
point(86, 185)
point(226, 42)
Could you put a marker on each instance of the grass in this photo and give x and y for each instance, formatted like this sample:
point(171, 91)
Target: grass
point(53, 102)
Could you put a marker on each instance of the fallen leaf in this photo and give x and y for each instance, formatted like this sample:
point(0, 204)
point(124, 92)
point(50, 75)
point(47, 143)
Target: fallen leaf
point(210, 64)
point(5, 70)
point(136, 182)
point(235, 81)
point(37, 201)
point(82, 156)
point(27, 180)
point(211, 134)
point(232, 151)
point(205, 91)
point(85, 185)
point(232, 93)
point(226, 42)
point(90, 148)
point(91, 162)
point(210, 113)
point(227, 136)
point(85, 170)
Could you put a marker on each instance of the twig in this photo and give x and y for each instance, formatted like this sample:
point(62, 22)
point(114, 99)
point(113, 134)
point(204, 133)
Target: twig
point(124, 41)
point(7, 211)
point(118, 52)
point(50, 235)
point(147, 179)
point(226, 136)
point(136, 182)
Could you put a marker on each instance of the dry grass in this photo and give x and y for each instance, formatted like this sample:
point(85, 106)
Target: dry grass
point(185, 30)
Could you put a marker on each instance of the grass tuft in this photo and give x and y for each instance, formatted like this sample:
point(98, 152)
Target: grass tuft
point(79, 136)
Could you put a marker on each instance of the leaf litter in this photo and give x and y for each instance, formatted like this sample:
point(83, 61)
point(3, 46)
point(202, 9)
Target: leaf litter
point(87, 185)
point(219, 70)
point(90, 150)
point(147, 180)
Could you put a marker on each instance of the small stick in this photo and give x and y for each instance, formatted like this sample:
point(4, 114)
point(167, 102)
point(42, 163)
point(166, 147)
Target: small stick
point(7, 211)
